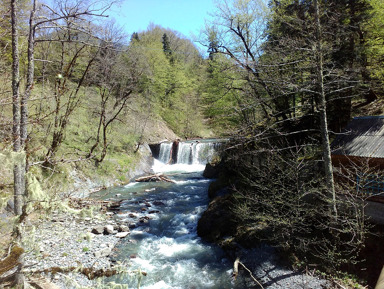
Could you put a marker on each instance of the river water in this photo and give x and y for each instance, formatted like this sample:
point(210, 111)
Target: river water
point(164, 243)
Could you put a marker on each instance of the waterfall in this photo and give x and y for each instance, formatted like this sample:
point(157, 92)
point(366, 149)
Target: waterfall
point(189, 152)
point(165, 152)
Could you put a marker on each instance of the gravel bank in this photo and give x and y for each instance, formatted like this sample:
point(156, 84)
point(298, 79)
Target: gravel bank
point(266, 267)
point(67, 241)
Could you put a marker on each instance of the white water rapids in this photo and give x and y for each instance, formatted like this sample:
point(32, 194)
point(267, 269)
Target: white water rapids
point(165, 244)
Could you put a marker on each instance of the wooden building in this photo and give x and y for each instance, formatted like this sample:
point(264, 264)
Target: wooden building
point(360, 147)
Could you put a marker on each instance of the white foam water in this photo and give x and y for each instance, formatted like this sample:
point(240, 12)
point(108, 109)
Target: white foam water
point(168, 248)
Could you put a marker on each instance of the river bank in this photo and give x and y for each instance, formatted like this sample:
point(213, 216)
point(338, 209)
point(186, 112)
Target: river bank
point(69, 250)
point(62, 245)
point(159, 222)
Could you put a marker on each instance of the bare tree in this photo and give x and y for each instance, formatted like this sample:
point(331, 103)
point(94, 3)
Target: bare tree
point(77, 39)
point(20, 104)
point(281, 197)
point(115, 76)
point(323, 109)
point(18, 181)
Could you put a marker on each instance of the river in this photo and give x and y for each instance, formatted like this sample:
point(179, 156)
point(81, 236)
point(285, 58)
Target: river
point(164, 244)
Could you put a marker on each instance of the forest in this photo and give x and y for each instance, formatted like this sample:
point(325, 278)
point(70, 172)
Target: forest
point(279, 79)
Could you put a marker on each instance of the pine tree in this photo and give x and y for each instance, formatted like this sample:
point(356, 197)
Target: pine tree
point(166, 46)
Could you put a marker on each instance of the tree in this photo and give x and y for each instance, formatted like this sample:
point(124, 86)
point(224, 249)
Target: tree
point(166, 46)
point(373, 34)
point(323, 109)
point(171, 80)
point(75, 39)
point(291, 69)
point(115, 75)
point(18, 169)
point(280, 199)
point(296, 85)
point(20, 107)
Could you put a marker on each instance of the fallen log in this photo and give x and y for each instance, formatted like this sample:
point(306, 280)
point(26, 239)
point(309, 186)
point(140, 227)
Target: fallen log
point(155, 178)
point(91, 273)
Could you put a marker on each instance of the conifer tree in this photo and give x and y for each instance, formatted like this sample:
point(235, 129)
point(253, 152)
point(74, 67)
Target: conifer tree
point(166, 46)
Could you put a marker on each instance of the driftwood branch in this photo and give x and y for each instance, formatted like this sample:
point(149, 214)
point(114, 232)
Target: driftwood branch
point(236, 271)
point(155, 178)
point(380, 281)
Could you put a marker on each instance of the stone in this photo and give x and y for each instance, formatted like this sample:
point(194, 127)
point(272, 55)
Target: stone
point(122, 234)
point(153, 212)
point(143, 221)
point(10, 206)
point(217, 221)
point(103, 252)
point(98, 230)
point(158, 203)
point(123, 228)
point(108, 229)
point(210, 171)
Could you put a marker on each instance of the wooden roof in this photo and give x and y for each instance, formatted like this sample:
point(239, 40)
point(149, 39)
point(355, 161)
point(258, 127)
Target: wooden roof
point(363, 137)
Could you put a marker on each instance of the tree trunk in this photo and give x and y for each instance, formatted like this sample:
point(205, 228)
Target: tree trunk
point(323, 111)
point(18, 181)
point(30, 77)
point(19, 168)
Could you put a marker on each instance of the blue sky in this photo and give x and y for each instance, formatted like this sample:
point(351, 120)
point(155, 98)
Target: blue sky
point(185, 16)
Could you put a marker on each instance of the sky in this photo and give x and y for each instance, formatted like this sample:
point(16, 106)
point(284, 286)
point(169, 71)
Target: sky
point(184, 16)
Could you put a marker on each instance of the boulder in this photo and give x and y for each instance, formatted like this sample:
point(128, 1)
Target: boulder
point(211, 171)
point(217, 221)
point(122, 234)
point(123, 228)
point(98, 230)
point(108, 230)
point(218, 187)
point(10, 206)
point(105, 252)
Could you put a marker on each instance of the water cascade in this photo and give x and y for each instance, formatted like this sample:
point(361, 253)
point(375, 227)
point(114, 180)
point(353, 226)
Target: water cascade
point(165, 152)
point(163, 216)
point(188, 152)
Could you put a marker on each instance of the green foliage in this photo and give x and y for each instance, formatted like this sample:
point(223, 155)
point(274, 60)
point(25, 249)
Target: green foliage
point(171, 80)
point(222, 102)
point(375, 30)
point(166, 46)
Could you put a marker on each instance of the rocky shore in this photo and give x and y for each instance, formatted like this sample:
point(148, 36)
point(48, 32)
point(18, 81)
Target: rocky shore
point(68, 250)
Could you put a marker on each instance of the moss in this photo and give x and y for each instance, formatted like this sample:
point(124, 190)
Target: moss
point(12, 260)
point(36, 194)
point(8, 158)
